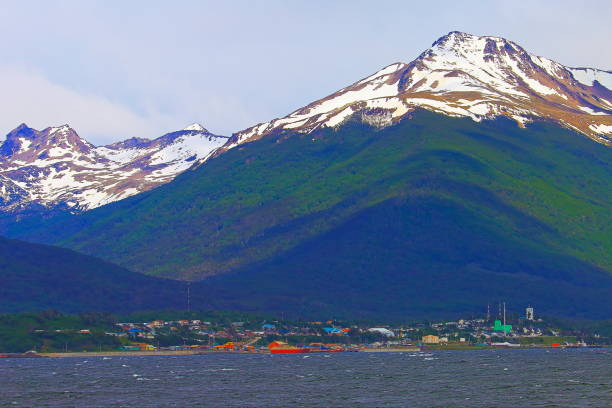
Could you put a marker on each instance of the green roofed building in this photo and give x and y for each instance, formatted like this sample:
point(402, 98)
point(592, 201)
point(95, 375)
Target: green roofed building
point(499, 327)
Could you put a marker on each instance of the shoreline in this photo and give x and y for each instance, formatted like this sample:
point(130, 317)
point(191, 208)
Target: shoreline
point(142, 353)
point(203, 352)
point(193, 353)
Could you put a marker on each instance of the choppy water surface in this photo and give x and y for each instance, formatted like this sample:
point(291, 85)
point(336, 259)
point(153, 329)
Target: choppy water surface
point(500, 378)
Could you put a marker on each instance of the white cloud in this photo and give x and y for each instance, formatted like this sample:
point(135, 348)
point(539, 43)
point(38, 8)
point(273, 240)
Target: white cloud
point(27, 96)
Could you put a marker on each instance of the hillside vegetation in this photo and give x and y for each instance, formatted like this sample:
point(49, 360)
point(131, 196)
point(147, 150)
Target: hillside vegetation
point(447, 211)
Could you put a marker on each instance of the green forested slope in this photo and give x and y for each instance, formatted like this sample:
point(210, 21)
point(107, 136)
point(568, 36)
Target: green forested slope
point(430, 196)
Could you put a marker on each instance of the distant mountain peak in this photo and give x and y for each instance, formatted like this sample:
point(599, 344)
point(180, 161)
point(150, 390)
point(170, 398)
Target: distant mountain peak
point(60, 129)
point(452, 37)
point(56, 168)
point(459, 43)
point(464, 75)
point(196, 127)
point(18, 139)
point(133, 142)
point(22, 130)
point(21, 127)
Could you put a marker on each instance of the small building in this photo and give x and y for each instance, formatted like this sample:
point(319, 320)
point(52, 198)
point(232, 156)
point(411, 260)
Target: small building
point(430, 339)
point(157, 324)
point(134, 332)
point(499, 327)
point(332, 330)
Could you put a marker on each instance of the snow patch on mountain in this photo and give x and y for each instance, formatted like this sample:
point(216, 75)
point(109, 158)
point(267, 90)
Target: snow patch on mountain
point(588, 76)
point(56, 168)
point(604, 129)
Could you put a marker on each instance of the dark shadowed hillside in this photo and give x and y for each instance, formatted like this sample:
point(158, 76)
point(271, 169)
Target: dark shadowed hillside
point(391, 260)
point(36, 277)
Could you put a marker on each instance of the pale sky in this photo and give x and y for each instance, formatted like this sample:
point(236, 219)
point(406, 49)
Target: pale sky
point(117, 69)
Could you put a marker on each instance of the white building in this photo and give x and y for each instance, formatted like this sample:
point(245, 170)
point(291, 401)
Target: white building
point(529, 314)
point(382, 330)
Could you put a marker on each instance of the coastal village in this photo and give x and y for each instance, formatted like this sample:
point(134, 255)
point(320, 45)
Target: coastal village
point(244, 336)
point(193, 335)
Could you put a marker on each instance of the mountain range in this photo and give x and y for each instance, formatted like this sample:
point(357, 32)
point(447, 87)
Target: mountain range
point(56, 170)
point(476, 172)
point(461, 75)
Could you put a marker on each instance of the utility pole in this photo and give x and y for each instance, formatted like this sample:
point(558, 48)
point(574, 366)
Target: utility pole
point(488, 312)
point(504, 313)
point(188, 297)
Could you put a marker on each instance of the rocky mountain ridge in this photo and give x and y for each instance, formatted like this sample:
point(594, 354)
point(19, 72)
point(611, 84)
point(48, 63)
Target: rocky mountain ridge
point(56, 169)
point(466, 76)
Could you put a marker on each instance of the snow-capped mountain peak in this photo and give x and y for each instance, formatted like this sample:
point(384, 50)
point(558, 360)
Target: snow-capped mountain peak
point(196, 127)
point(56, 168)
point(64, 129)
point(464, 75)
point(23, 142)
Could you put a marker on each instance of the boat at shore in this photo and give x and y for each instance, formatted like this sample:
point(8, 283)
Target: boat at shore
point(280, 347)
